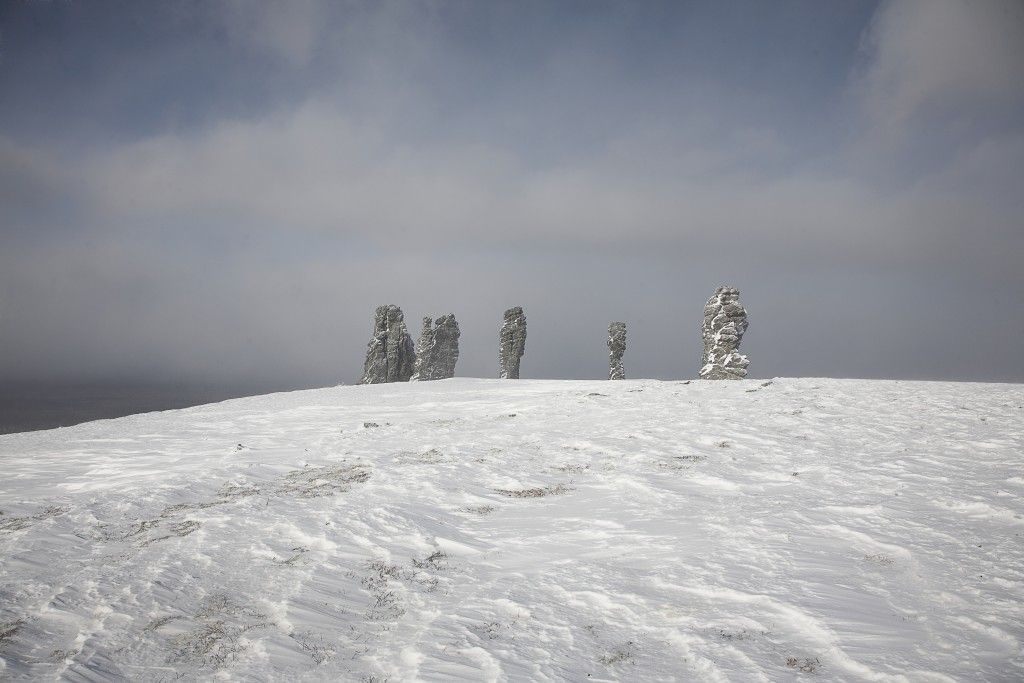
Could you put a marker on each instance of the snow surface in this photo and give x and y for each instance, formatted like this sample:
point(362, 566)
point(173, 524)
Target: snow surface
point(525, 530)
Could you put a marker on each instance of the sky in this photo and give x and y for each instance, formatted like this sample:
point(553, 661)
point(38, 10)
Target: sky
point(223, 191)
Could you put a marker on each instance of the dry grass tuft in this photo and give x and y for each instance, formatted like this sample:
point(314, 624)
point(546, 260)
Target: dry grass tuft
point(539, 492)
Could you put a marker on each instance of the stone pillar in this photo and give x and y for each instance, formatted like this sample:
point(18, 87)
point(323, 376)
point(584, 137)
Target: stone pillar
point(438, 349)
point(424, 352)
point(725, 321)
point(390, 355)
point(616, 347)
point(512, 343)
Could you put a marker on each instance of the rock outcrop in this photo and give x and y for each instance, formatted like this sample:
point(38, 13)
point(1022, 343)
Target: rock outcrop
point(512, 343)
point(725, 321)
point(616, 347)
point(437, 351)
point(390, 355)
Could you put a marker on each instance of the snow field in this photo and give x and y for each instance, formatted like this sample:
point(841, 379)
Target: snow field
point(525, 530)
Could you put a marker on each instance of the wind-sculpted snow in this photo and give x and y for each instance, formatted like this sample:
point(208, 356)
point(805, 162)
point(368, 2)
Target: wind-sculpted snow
point(534, 530)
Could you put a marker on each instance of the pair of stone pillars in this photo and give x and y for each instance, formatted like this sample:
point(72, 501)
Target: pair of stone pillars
point(512, 345)
point(391, 356)
point(725, 321)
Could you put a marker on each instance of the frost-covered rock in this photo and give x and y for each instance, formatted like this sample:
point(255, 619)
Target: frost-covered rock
point(725, 321)
point(512, 343)
point(390, 355)
point(437, 351)
point(616, 347)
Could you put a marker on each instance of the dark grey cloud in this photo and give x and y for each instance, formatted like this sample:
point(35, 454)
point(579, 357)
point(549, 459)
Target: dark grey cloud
point(225, 190)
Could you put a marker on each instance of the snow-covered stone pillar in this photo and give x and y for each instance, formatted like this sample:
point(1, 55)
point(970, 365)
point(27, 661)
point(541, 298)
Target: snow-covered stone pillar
point(725, 321)
point(438, 349)
point(390, 355)
point(512, 343)
point(424, 351)
point(616, 347)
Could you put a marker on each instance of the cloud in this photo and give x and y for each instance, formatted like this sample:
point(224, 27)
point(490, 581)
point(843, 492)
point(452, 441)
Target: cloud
point(30, 179)
point(290, 31)
point(454, 165)
point(932, 57)
point(313, 171)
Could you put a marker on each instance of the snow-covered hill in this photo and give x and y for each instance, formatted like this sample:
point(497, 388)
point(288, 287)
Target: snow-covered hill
point(530, 530)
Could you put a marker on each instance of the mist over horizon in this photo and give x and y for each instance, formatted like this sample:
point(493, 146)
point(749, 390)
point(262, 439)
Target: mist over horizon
point(221, 193)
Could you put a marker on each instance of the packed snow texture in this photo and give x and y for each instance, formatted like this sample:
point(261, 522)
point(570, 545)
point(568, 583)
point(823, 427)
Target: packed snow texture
point(725, 321)
point(536, 530)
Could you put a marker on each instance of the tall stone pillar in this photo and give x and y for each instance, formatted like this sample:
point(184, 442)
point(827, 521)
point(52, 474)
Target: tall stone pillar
point(616, 347)
point(512, 343)
point(390, 355)
point(725, 321)
point(438, 349)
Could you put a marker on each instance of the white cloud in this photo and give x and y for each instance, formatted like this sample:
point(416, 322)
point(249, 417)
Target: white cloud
point(289, 30)
point(313, 171)
point(928, 56)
